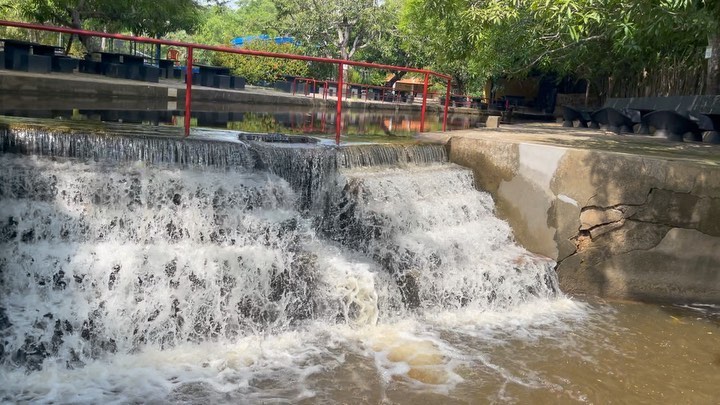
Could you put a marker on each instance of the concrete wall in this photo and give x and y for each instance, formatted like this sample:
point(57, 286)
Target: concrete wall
point(619, 225)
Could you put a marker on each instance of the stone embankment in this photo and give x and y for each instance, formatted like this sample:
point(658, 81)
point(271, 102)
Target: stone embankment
point(624, 217)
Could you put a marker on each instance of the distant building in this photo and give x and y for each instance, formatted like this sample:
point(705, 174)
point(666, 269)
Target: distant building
point(409, 84)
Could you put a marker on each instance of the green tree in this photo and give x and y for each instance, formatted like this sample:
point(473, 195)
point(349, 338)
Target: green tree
point(444, 38)
point(257, 69)
point(388, 44)
point(619, 40)
point(150, 17)
point(219, 24)
point(710, 12)
point(257, 17)
point(331, 28)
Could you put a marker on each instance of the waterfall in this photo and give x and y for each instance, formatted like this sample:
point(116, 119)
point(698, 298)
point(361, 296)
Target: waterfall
point(115, 244)
point(438, 237)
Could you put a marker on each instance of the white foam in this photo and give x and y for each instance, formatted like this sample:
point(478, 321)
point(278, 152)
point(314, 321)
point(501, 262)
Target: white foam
point(169, 285)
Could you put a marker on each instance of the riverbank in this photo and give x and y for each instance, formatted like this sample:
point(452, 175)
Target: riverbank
point(80, 86)
point(625, 217)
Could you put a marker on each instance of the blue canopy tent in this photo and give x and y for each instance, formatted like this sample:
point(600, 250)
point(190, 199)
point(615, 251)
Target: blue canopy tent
point(240, 41)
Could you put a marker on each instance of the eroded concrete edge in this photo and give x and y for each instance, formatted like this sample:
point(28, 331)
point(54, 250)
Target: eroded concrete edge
point(618, 225)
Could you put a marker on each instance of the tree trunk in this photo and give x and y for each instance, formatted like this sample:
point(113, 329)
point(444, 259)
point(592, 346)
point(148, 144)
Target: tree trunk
point(460, 85)
point(69, 44)
point(77, 24)
point(343, 40)
point(157, 51)
point(396, 76)
point(713, 71)
point(587, 92)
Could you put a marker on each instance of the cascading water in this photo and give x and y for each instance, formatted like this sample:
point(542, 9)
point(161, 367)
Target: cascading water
point(216, 267)
point(438, 237)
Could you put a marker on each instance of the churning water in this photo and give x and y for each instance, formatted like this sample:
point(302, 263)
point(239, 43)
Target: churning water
point(151, 270)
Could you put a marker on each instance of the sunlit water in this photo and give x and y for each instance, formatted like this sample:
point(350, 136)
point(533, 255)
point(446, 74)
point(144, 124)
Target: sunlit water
point(152, 283)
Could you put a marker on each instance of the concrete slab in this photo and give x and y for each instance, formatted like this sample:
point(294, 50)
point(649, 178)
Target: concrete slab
point(582, 138)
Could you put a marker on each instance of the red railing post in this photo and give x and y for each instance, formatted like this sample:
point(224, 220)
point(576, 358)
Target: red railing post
point(424, 102)
point(447, 104)
point(338, 116)
point(188, 88)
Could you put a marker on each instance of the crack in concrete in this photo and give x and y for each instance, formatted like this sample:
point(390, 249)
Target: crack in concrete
point(577, 252)
point(584, 236)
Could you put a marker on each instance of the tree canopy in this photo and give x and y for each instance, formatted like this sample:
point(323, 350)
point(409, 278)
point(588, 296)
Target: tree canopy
point(140, 17)
point(332, 28)
point(147, 17)
point(597, 40)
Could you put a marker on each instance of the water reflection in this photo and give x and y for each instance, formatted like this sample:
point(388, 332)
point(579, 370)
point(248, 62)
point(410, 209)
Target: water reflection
point(252, 118)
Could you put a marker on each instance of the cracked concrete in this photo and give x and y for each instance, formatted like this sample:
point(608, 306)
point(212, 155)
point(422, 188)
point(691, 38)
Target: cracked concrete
point(642, 225)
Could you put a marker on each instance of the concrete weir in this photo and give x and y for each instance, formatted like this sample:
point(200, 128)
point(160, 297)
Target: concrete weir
point(624, 217)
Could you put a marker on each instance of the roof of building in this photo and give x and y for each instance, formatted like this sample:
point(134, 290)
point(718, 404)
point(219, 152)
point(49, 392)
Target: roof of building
point(406, 79)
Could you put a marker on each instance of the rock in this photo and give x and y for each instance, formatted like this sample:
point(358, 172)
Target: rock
point(493, 121)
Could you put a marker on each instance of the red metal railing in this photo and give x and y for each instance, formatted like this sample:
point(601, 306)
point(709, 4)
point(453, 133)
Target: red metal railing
point(348, 89)
point(190, 47)
point(308, 81)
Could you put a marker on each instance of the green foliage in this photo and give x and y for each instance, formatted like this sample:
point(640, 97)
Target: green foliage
point(148, 17)
point(594, 39)
point(257, 17)
point(220, 24)
point(263, 123)
point(322, 70)
point(257, 69)
point(443, 38)
point(354, 76)
point(605, 41)
point(141, 17)
point(375, 77)
point(157, 18)
point(331, 28)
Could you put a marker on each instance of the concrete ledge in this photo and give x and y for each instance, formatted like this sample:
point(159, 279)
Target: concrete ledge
point(643, 225)
point(73, 86)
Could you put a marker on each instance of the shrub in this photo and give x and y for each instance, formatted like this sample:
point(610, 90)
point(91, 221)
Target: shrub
point(257, 69)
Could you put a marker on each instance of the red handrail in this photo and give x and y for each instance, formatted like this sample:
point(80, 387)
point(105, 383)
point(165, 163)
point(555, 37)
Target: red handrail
point(190, 46)
point(307, 81)
point(188, 88)
point(424, 102)
point(348, 85)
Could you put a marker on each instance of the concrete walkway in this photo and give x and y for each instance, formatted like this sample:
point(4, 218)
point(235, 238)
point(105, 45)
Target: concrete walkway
point(592, 139)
